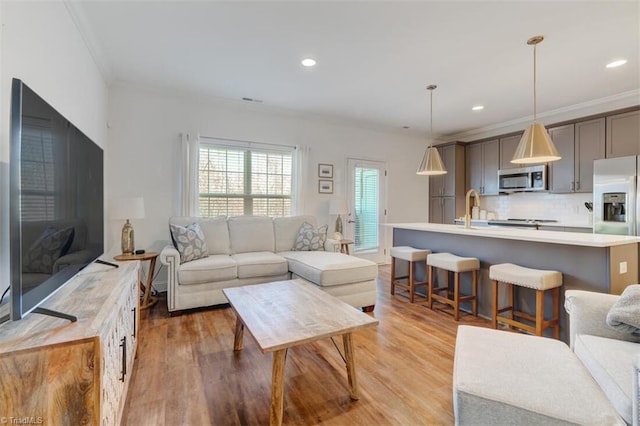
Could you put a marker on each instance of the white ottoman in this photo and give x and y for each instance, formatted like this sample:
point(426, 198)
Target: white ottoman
point(505, 378)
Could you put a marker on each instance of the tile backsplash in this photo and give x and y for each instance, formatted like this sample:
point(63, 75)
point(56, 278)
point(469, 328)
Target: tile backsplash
point(567, 208)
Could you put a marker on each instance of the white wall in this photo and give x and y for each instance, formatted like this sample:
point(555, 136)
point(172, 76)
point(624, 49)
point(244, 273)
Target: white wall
point(144, 129)
point(40, 44)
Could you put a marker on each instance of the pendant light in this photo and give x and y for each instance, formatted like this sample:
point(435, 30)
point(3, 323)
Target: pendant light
point(431, 164)
point(536, 145)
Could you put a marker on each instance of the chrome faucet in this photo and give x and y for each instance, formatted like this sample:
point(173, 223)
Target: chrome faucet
point(467, 214)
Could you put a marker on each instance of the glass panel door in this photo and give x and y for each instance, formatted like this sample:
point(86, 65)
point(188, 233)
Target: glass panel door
point(366, 208)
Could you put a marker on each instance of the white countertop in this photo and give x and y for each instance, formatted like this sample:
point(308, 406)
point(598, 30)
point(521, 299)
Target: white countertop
point(552, 237)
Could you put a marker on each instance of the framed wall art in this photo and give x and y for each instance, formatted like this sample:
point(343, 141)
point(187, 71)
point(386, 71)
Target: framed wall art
point(325, 170)
point(325, 186)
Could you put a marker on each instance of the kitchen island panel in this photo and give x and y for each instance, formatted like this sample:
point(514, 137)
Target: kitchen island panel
point(583, 267)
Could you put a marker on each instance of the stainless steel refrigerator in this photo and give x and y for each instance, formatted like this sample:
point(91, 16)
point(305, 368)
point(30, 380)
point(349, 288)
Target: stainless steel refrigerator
point(615, 196)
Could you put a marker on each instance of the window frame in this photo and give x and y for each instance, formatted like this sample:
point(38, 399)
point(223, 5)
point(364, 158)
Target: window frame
point(248, 196)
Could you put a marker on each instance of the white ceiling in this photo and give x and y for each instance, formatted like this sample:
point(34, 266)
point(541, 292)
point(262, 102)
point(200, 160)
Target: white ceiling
point(374, 57)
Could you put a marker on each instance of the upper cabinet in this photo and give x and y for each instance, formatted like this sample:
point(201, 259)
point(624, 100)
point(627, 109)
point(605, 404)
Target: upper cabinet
point(562, 174)
point(578, 144)
point(447, 185)
point(482, 167)
point(508, 147)
point(623, 134)
point(590, 145)
point(446, 201)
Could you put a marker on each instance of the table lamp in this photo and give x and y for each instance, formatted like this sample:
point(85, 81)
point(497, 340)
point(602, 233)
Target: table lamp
point(127, 208)
point(338, 206)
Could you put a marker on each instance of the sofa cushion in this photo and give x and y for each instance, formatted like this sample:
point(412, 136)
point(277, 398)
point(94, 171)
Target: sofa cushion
point(189, 241)
point(325, 268)
point(215, 230)
point(310, 238)
point(286, 230)
point(610, 362)
point(251, 233)
point(218, 267)
point(260, 264)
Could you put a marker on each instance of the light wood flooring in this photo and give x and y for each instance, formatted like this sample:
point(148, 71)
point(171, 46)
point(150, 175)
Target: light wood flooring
point(187, 373)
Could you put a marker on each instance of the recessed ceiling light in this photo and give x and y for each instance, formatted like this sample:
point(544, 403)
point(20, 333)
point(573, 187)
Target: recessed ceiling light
point(308, 62)
point(477, 108)
point(617, 63)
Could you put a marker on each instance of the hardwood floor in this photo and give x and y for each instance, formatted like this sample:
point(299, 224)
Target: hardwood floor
point(187, 373)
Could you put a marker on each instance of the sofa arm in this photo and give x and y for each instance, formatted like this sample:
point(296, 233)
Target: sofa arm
point(169, 254)
point(170, 257)
point(331, 245)
point(588, 315)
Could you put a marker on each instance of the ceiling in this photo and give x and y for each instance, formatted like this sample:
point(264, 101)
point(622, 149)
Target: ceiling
point(374, 58)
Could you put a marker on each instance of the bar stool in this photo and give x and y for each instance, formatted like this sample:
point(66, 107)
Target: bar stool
point(540, 281)
point(456, 264)
point(411, 255)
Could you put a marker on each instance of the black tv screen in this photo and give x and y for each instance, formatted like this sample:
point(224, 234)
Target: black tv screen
point(56, 200)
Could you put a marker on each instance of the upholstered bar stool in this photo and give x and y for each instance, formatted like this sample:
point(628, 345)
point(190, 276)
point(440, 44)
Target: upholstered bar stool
point(457, 265)
point(536, 279)
point(412, 256)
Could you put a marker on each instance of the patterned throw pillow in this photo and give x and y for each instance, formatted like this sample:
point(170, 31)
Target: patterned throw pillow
point(49, 246)
point(189, 241)
point(309, 238)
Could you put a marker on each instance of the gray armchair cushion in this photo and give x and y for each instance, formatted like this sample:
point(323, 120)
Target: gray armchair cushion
point(624, 315)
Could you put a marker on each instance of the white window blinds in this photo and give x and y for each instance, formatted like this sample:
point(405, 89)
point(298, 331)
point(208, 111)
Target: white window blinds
point(236, 178)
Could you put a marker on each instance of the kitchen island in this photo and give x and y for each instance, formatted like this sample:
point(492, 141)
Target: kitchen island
point(595, 262)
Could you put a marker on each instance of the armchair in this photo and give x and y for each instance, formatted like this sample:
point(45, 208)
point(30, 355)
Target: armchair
point(612, 357)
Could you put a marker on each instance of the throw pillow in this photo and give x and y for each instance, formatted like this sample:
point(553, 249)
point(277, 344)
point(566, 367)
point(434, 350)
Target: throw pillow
point(309, 238)
point(189, 241)
point(624, 315)
point(44, 252)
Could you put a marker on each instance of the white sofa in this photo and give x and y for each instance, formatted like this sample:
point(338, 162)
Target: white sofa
point(247, 250)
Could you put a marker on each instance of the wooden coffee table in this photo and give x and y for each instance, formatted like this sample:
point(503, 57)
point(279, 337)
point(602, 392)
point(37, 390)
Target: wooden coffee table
point(275, 314)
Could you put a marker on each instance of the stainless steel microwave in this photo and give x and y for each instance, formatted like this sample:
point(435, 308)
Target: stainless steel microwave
point(525, 179)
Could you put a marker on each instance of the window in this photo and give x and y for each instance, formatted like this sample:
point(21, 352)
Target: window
point(366, 184)
point(234, 179)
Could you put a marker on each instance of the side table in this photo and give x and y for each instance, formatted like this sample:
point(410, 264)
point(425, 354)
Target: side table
point(344, 246)
point(147, 299)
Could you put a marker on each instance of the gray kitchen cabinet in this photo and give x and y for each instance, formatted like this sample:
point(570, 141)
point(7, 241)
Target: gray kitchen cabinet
point(446, 200)
point(482, 167)
point(562, 174)
point(508, 147)
point(442, 210)
point(590, 145)
point(578, 144)
point(623, 134)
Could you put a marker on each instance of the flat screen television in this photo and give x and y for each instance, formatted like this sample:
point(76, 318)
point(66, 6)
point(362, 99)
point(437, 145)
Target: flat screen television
point(56, 207)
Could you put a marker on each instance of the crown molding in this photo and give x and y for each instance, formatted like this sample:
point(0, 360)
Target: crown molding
point(596, 106)
point(94, 47)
